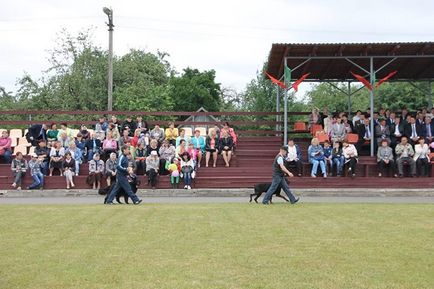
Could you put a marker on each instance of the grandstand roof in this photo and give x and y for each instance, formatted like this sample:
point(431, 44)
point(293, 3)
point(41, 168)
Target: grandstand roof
point(414, 61)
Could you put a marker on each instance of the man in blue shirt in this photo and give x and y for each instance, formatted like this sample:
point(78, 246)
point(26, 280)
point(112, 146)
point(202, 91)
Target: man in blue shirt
point(123, 170)
point(279, 171)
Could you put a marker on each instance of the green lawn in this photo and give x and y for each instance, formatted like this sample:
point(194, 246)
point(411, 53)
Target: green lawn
point(217, 246)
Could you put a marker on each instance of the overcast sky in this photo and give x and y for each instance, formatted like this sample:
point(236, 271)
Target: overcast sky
point(232, 37)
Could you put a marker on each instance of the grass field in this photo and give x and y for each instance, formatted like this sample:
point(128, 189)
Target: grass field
point(217, 246)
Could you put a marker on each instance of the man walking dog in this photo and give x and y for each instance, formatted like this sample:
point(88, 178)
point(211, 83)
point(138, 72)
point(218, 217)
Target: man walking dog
point(121, 178)
point(279, 171)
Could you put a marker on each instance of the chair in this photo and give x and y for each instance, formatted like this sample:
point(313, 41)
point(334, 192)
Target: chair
point(431, 157)
point(188, 131)
point(20, 148)
point(75, 132)
point(23, 141)
point(25, 132)
point(16, 133)
point(322, 137)
point(314, 128)
point(299, 126)
point(14, 142)
point(31, 150)
point(352, 138)
point(202, 130)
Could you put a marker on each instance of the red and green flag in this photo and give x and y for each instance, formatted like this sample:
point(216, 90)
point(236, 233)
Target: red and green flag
point(300, 80)
point(384, 79)
point(362, 80)
point(287, 75)
point(276, 81)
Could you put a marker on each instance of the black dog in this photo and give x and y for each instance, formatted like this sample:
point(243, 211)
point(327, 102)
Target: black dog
point(263, 188)
point(132, 180)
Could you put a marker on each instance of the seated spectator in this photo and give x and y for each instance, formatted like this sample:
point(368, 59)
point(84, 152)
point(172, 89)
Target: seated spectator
point(157, 133)
point(124, 139)
point(130, 125)
point(138, 138)
point(180, 149)
point(174, 170)
point(65, 129)
point(385, 159)
point(327, 154)
point(80, 142)
point(316, 158)
point(429, 130)
point(110, 168)
point(226, 145)
point(193, 154)
point(199, 144)
point(52, 134)
point(181, 136)
point(337, 159)
point(43, 152)
point(211, 147)
point(57, 154)
point(36, 165)
point(36, 132)
point(76, 155)
point(314, 117)
point(153, 146)
point(338, 131)
point(231, 133)
point(69, 170)
point(93, 146)
point(64, 140)
point(132, 162)
point(140, 158)
point(364, 132)
point(5, 146)
point(356, 118)
point(382, 132)
point(421, 157)
point(347, 124)
point(113, 130)
point(116, 125)
point(187, 169)
point(404, 155)
point(19, 168)
point(100, 128)
point(142, 125)
point(84, 132)
point(293, 158)
point(351, 157)
point(109, 146)
point(166, 152)
point(171, 133)
point(96, 172)
point(152, 168)
point(413, 131)
point(328, 123)
point(396, 132)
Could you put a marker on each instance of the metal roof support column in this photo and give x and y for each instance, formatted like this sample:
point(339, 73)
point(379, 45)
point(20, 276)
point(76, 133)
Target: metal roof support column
point(372, 80)
point(349, 99)
point(285, 117)
point(277, 107)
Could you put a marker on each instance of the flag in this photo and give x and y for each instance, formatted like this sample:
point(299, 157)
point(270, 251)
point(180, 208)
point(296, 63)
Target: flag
point(276, 81)
point(362, 80)
point(384, 79)
point(300, 80)
point(287, 75)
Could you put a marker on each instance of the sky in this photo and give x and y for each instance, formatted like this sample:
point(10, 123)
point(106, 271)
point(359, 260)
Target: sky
point(232, 37)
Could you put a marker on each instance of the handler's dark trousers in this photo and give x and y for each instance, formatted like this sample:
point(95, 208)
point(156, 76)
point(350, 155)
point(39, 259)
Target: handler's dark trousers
point(122, 182)
point(278, 180)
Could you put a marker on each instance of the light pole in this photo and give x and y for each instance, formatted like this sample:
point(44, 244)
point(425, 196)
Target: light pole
point(109, 13)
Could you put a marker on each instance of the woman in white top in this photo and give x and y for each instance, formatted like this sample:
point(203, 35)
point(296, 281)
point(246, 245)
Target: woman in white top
point(421, 157)
point(351, 157)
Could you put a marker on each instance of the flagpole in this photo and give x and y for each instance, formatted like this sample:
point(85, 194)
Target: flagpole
point(372, 80)
point(277, 108)
point(285, 118)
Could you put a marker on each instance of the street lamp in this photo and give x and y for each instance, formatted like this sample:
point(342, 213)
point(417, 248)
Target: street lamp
point(109, 13)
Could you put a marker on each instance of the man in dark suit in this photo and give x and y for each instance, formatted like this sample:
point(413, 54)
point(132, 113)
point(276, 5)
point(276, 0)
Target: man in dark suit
point(36, 133)
point(391, 119)
point(382, 132)
point(412, 131)
point(429, 130)
point(396, 132)
point(364, 132)
point(93, 146)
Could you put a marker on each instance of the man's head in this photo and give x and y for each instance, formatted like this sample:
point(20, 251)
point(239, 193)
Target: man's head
point(326, 143)
point(290, 142)
point(96, 156)
point(412, 120)
point(5, 133)
point(366, 121)
point(283, 150)
point(125, 149)
point(383, 122)
point(427, 120)
point(19, 156)
point(197, 133)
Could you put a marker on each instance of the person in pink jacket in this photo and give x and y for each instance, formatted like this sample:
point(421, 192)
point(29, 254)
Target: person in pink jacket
point(5, 146)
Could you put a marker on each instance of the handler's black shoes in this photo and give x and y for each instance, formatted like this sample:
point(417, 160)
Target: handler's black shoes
point(296, 200)
point(138, 202)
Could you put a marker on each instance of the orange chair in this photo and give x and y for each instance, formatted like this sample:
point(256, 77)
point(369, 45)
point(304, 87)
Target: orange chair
point(431, 157)
point(322, 137)
point(314, 128)
point(23, 141)
point(20, 148)
point(352, 138)
point(299, 126)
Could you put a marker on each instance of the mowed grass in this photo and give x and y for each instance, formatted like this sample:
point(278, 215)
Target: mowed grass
point(217, 246)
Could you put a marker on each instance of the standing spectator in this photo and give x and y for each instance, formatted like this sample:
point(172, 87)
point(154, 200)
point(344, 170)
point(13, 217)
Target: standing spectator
point(171, 133)
point(421, 157)
point(337, 159)
point(65, 129)
point(338, 131)
point(199, 144)
point(347, 124)
point(293, 158)
point(5, 146)
point(43, 152)
point(316, 158)
point(19, 168)
point(142, 125)
point(36, 165)
point(130, 125)
point(385, 159)
point(314, 117)
point(57, 154)
point(187, 169)
point(113, 130)
point(110, 169)
point(68, 169)
point(404, 116)
point(100, 128)
point(93, 146)
point(211, 147)
point(52, 134)
point(382, 132)
point(181, 136)
point(157, 133)
point(140, 158)
point(351, 157)
point(77, 156)
point(328, 123)
point(226, 145)
point(152, 167)
point(64, 140)
point(85, 134)
point(116, 126)
point(109, 146)
point(323, 116)
point(96, 171)
point(404, 154)
point(36, 132)
point(356, 118)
